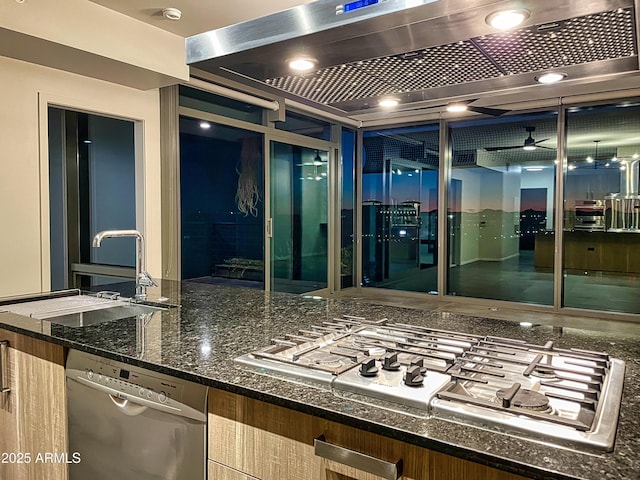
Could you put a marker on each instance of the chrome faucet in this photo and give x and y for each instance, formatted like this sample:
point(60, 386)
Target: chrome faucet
point(143, 279)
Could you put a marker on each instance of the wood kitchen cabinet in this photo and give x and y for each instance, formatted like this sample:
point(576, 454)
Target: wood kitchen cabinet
point(591, 251)
point(249, 439)
point(33, 413)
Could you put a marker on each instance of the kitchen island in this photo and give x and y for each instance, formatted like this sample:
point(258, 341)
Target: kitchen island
point(215, 324)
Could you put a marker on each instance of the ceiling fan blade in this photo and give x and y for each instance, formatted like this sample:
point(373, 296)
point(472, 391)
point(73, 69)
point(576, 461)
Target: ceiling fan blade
point(540, 141)
point(496, 112)
point(546, 148)
point(497, 149)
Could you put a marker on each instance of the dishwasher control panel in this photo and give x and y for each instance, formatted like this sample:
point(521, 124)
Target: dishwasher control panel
point(132, 383)
point(143, 386)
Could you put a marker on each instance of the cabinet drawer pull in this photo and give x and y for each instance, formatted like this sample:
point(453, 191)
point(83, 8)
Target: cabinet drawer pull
point(357, 460)
point(4, 349)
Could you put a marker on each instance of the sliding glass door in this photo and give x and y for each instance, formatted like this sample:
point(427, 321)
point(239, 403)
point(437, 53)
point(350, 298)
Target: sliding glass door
point(299, 221)
point(222, 203)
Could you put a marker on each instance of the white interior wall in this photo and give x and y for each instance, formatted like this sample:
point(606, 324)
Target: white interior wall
point(26, 90)
point(492, 205)
point(470, 212)
point(511, 185)
point(86, 38)
point(489, 213)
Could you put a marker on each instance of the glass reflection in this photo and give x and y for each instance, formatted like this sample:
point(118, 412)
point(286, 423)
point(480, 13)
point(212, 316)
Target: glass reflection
point(299, 208)
point(221, 204)
point(500, 208)
point(602, 208)
point(399, 210)
point(347, 200)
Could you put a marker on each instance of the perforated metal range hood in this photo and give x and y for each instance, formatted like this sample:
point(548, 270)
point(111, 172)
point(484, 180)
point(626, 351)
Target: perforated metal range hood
point(423, 52)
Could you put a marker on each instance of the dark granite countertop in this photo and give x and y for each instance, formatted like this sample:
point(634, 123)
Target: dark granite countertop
point(215, 324)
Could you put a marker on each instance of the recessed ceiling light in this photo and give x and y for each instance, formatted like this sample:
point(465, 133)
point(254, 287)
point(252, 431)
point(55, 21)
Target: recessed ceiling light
point(171, 13)
point(550, 77)
point(589, 159)
point(302, 64)
point(457, 107)
point(507, 19)
point(534, 169)
point(388, 102)
point(205, 125)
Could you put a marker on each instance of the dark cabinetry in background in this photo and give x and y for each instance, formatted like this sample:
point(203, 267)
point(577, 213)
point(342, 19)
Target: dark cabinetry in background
point(601, 251)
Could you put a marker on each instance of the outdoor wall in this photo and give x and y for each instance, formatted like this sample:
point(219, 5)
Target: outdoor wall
point(26, 90)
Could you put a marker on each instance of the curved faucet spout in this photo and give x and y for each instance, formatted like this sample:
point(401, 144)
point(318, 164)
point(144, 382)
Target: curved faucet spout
point(143, 279)
point(97, 240)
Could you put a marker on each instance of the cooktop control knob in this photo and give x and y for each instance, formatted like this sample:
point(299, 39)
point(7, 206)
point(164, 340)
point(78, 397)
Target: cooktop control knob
point(419, 362)
point(413, 377)
point(390, 362)
point(368, 368)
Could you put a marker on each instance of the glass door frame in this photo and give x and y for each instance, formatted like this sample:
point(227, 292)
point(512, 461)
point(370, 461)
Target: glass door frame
point(76, 193)
point(333, 201)
point(172, 176)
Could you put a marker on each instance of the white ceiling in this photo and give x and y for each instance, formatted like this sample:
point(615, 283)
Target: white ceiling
point(198, 15)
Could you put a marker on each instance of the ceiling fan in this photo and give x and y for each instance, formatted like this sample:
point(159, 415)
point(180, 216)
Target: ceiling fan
point(529, 143)
point(468, 106)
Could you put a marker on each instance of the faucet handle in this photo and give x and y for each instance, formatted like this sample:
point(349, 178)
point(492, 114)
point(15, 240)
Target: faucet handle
point(145, 280)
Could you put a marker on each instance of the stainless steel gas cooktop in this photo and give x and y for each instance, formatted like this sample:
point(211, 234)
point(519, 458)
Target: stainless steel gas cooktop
point(568, 397)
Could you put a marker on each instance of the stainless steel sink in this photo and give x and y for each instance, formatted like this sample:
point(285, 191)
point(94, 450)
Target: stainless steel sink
point(81, 310)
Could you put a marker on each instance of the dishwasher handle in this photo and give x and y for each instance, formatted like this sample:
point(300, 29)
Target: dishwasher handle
point(357, 460)
point(127, 407)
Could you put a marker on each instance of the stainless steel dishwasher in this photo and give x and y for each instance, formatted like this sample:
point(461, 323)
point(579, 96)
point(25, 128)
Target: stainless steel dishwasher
point(129, 423)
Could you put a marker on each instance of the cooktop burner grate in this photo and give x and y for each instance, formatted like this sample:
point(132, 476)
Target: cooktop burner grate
point(570, 395)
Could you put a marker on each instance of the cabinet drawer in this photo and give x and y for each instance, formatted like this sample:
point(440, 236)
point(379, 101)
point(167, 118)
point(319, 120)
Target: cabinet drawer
point(220, 472)
point(268, 442)
point(260, 439)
